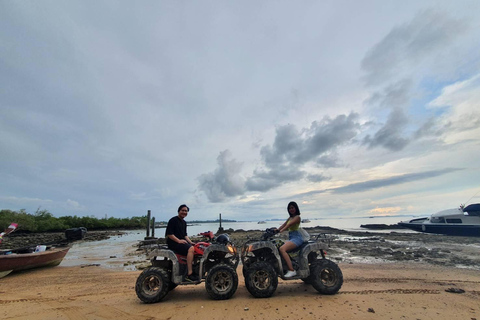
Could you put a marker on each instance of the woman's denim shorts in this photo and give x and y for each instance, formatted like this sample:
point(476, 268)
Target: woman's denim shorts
point(295, 237)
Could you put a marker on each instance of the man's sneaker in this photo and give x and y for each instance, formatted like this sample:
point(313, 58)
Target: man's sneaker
point(191, 278)
point(290, 274)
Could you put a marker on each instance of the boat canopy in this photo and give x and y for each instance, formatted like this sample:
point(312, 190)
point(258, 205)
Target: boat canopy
point(473, 209)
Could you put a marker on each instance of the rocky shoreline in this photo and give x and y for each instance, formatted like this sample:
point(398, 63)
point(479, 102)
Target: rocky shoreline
point(384, 247)
point(342, 246)
point(23, 240)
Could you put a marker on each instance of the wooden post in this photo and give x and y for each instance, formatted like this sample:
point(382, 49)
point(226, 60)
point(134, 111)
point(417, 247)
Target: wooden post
point(148, 223)
point(220, 229)
point(153, 227)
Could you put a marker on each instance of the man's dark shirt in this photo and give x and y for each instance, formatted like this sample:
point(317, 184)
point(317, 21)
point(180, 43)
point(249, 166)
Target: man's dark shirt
point(178, 228)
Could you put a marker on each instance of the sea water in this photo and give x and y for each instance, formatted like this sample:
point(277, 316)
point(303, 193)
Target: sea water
point(118, 252)
point(349, 224)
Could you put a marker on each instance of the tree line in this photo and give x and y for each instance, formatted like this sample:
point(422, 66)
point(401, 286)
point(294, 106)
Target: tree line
point(44, 221)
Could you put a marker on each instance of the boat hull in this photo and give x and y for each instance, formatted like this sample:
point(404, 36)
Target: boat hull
point(24, 261)
point(463, 221)
point(446, 229)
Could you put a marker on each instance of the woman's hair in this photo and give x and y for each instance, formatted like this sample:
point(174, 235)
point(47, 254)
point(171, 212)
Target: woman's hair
point(293, 203)
point(183, 206)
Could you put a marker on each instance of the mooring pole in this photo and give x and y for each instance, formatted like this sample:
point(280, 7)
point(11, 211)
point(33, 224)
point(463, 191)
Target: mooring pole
point(153, 227)
point(220, 229)
point(148, 223)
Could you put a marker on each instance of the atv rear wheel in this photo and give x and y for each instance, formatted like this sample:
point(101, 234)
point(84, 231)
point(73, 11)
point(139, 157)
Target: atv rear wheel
point(152, 285)
point(307, 280)
point(261, 279)
point(326, 277)
point(221, 282)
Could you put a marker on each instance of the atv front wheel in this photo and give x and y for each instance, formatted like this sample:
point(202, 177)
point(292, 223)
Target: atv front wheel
point(326, 277)
point(152, 285)
point(261, 279)
point(221, 282)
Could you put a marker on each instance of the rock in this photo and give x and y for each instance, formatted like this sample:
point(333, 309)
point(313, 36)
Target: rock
point(455, 290)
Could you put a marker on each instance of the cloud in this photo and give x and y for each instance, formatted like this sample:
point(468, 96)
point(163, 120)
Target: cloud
point(390, 135)
point(266, 180)
point(225, 181)
point(132, 111)
point(329, 161)
point(317, 178)
point(407, 46)
point(382, 183)
point(293, 148)
point(284, 159)
point(395, 69)
point(395, 180)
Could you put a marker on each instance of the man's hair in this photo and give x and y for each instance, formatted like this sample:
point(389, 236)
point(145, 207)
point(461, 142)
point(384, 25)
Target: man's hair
point(183, 206)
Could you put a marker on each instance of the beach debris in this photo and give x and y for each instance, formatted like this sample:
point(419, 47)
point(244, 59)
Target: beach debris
point(455, 290)
point(10, 229)
point(90, 265)
point(371, 310)
point(246, 309)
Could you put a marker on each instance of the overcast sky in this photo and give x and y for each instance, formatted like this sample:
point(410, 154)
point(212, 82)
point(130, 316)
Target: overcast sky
point(350, 108)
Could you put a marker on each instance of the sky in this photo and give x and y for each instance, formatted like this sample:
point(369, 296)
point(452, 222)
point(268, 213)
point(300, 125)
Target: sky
point(349, 108)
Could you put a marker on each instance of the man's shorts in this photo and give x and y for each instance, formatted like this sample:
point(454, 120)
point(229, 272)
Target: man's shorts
point(180, 248)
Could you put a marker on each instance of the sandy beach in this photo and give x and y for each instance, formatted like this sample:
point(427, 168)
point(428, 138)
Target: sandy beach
point(370, 291)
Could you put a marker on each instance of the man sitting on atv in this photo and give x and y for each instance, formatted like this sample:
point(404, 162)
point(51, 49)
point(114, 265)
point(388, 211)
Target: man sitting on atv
point(179, 242)
point(294, 236)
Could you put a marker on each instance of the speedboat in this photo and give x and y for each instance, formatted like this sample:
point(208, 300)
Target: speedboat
point(463, 221)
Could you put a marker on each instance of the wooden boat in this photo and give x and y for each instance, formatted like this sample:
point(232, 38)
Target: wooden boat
point(14, 260)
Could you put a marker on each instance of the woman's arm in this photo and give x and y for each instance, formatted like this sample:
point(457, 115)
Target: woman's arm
point(283, 225)
point(287, 223)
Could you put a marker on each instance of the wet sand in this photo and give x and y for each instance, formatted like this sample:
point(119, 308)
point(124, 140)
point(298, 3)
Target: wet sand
point(378, 291)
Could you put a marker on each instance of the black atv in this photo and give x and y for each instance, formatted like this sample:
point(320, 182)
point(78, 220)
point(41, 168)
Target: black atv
point(262, 265)
point(215, 262)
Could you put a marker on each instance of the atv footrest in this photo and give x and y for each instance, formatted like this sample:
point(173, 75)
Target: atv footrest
point(191, 282)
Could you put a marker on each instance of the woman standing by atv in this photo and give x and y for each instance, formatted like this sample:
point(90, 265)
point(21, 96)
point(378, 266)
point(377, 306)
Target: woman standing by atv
point(295, 238)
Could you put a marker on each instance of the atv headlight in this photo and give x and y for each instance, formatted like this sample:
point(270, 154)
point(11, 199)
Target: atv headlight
point(231, 249)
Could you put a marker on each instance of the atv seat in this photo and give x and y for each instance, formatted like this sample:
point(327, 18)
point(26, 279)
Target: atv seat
point(299, 248)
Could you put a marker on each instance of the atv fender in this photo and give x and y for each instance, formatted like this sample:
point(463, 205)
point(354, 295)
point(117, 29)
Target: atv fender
point(252, 247)
point(215, 247)
point(304, 270)
point(157, 254)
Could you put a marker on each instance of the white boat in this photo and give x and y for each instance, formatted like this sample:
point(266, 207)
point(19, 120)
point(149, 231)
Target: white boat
point(463, 221)
point(261, 222)
point(305, 221)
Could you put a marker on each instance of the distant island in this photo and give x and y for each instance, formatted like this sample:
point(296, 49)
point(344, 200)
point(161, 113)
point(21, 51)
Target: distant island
point(211, 221)
point(163, 224)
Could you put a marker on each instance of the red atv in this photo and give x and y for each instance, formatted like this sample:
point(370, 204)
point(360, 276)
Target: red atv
point(215, 262)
